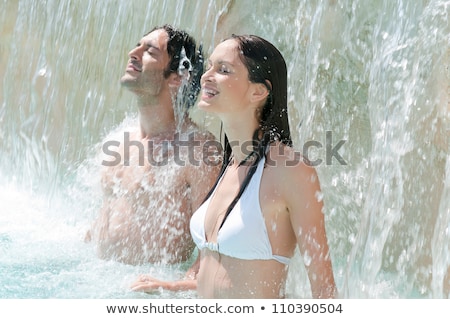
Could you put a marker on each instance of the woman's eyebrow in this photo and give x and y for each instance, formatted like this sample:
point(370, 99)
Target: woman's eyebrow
point(220, 62)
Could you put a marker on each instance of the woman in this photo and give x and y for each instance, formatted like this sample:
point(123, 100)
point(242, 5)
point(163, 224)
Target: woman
point(266, 199)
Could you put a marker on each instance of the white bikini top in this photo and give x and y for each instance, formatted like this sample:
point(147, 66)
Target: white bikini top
point(243, 234)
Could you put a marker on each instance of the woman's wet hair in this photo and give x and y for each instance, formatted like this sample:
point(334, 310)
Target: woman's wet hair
point(182, 45)
point(265, 65)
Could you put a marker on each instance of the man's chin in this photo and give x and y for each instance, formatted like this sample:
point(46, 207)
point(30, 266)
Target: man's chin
point(127, 81)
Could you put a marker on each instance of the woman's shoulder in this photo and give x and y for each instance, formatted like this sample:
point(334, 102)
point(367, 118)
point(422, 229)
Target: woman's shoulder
point(285, 156)
point(293, 177)
point(288, 163)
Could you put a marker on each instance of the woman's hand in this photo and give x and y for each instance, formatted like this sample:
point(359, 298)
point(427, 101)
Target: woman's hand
point(149, 284)
point(146, 283)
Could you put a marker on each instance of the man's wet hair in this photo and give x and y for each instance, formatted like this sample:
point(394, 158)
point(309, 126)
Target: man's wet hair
point(180, 40)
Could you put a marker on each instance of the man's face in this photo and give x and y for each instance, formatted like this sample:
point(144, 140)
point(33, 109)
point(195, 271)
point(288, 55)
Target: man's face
point(144, 73)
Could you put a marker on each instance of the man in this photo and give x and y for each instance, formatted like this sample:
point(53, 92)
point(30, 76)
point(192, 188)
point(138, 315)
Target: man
point(157, 174)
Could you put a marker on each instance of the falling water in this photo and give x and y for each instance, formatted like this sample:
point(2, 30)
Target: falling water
point(371, 74)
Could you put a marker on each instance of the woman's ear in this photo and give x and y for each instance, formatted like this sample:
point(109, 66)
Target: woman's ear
point(259, 92)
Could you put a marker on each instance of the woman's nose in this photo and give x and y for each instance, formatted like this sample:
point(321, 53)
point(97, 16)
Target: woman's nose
point(206, 77)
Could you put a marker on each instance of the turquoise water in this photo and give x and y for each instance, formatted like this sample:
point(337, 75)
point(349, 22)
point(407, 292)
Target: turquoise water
point(43, 256)
point(373, 73)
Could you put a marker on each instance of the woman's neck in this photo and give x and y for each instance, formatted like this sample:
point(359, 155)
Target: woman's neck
point(240, 136)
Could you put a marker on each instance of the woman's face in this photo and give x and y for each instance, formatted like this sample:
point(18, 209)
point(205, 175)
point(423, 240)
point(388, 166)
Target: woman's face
point(225, 84)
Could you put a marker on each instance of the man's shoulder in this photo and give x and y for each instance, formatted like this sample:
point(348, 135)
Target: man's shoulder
point(205, 135)
point(194, 132)
point(128, 128)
